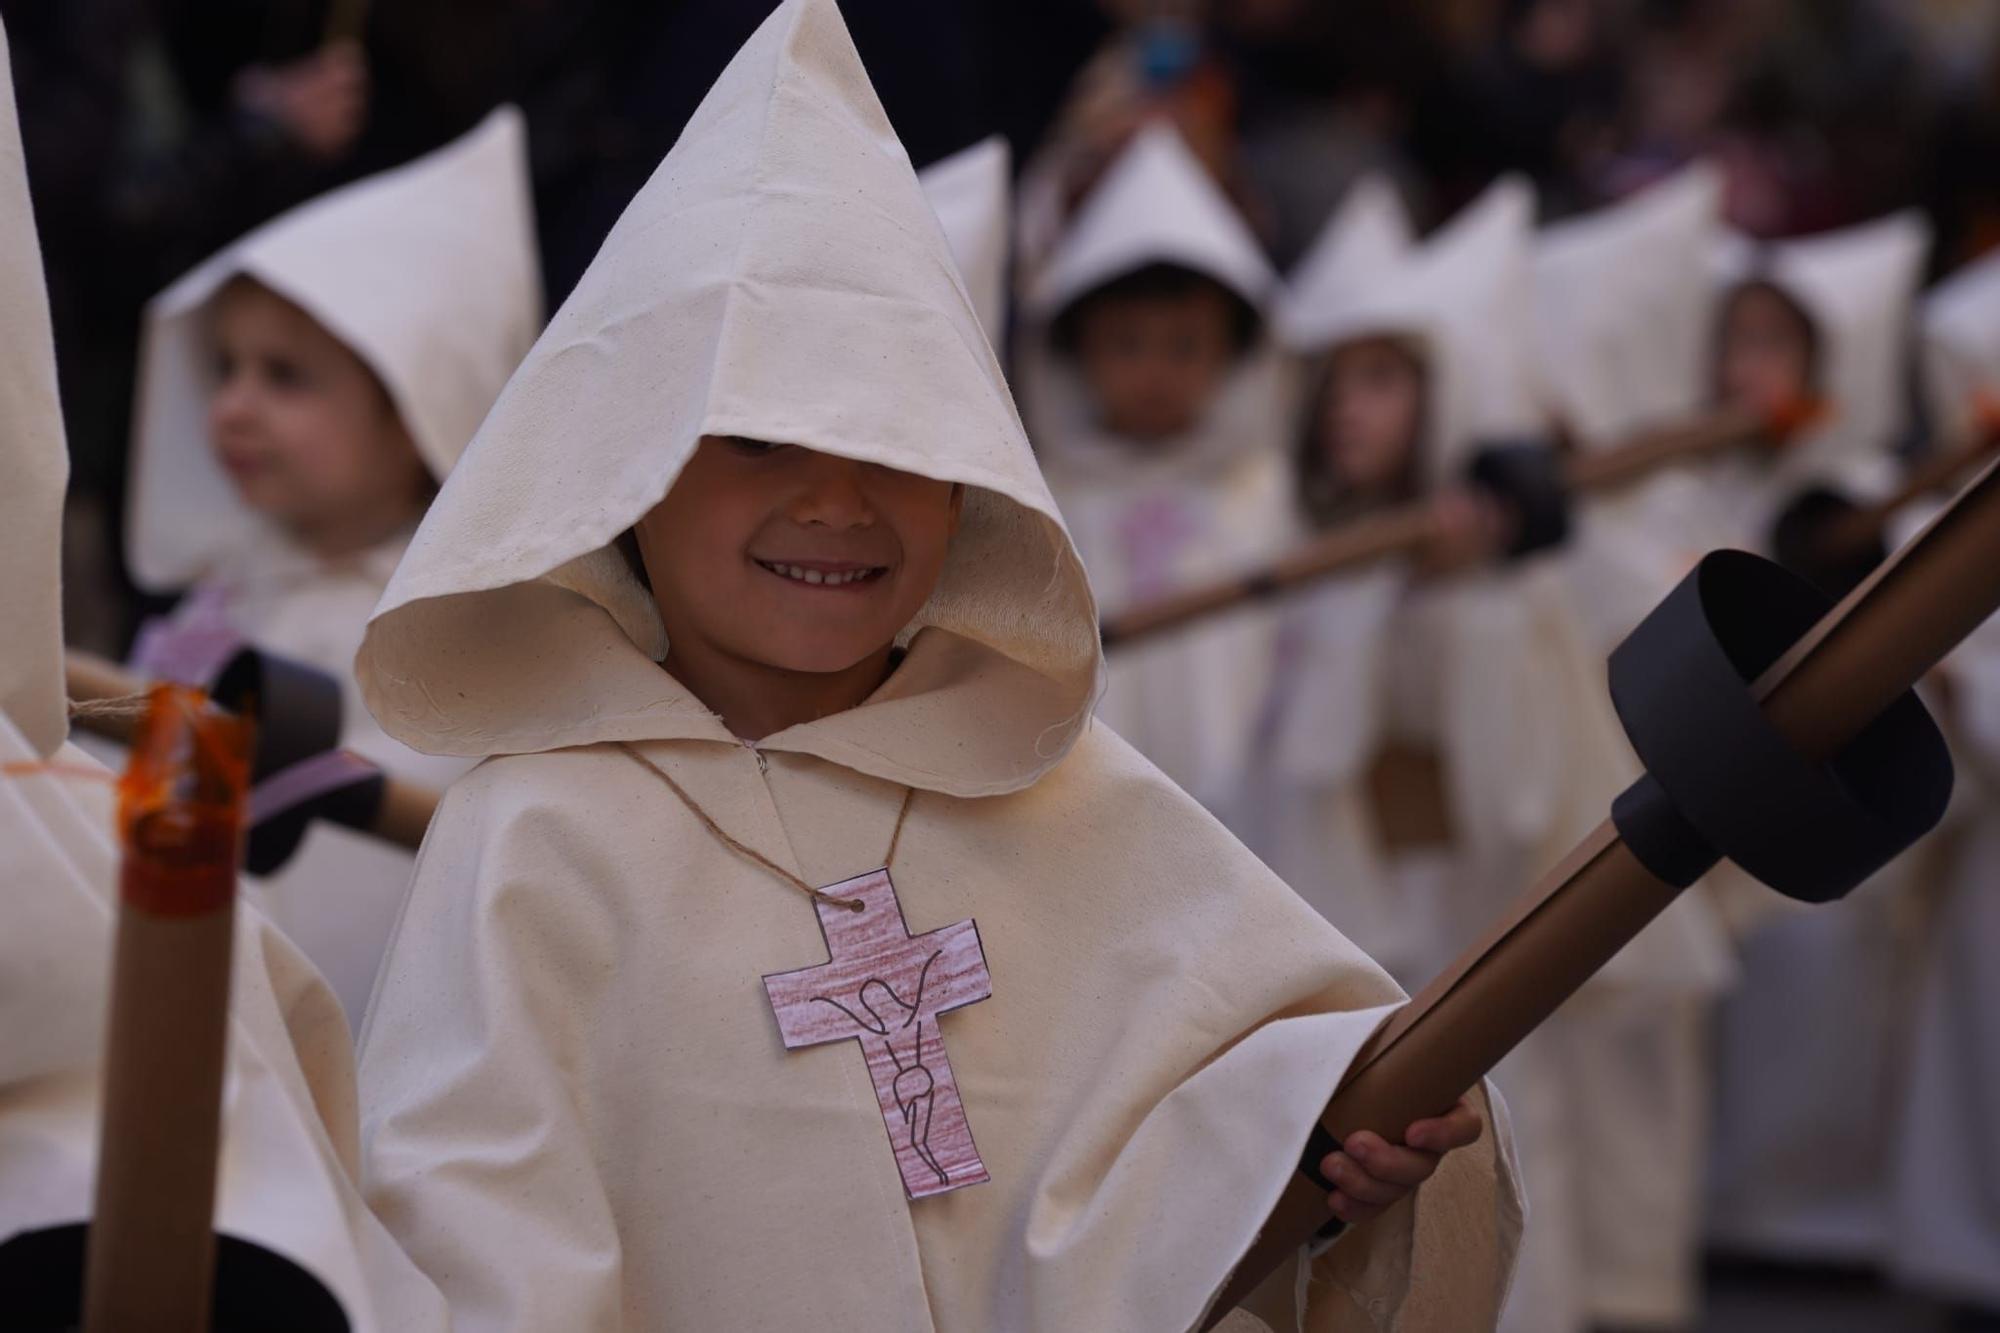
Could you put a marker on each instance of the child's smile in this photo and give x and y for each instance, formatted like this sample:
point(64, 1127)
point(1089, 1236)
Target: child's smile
point(825, 575)
point(794, 569)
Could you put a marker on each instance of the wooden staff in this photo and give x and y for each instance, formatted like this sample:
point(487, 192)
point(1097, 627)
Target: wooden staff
point(150, 1261)
point(1863, 655)
point(406, 807)
point(1406, 529)
point(1866, 526)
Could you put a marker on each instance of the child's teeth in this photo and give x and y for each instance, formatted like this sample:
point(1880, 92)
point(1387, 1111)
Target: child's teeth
point(840, 579)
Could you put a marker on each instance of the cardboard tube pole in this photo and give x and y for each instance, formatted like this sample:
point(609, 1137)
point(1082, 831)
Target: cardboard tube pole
point(406, 807)
point(150, 1261)
point(1407, 528)
point(1862, 656)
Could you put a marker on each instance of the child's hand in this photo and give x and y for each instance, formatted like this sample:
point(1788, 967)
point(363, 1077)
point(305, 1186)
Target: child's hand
point(1373, 1173)
point(1470, 529)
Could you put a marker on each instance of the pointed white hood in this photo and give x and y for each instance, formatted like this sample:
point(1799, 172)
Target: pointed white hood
point(33, 460)
point(1857, 285)
point(1155, 205)
point(428, 272)
point(1457, 296)
point(1961, 345)
point(1622, 331)
point(780, 277)
point(970, 192)
point(1365, 237)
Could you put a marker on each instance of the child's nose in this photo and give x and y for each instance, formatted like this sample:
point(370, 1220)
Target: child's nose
point(833, 495)
point(232, 399)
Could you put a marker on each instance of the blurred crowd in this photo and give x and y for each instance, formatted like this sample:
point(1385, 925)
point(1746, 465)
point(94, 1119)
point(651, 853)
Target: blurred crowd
point(157, 130)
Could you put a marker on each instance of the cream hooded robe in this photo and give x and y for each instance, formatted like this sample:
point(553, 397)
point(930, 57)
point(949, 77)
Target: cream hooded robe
point(1494, 673)
point(1769, 1190)
point(289, 1142)
point(1150, 517)
point(429, 274)
point(576, 1109)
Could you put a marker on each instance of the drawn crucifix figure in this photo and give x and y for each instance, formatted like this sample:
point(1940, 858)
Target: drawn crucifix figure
point(885, 988)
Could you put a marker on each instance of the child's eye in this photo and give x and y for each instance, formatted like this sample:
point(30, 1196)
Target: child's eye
point(284, 374)
point(749, 448)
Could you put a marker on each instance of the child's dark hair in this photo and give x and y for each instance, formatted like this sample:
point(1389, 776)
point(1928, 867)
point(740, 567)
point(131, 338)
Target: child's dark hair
point(627, 543)
point(1322, 497)
point(1160, 281)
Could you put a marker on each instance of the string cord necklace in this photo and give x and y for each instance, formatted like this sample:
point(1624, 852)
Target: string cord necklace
point(755, 857)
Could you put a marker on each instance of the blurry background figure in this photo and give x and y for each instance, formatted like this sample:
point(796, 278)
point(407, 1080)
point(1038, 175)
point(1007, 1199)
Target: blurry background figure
point(1158, 405)
point(302, 395)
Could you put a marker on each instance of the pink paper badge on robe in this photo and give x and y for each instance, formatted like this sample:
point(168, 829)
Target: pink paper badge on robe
point(885, 988)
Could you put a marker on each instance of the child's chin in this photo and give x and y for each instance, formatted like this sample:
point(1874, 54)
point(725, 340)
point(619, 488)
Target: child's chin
point(819, 657)
point(269, 500)
point(1153, 432)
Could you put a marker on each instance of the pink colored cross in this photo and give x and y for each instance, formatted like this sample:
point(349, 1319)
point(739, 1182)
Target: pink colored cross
point(885, 988)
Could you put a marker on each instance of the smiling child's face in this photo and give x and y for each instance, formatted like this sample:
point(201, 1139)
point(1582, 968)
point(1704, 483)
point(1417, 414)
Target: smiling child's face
point(781, 557)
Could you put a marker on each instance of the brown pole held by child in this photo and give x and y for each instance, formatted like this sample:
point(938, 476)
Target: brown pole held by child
point(1406, 528)
point(107, 700)
point(1866, 525)
point(151, 1255)
point(1861, 657)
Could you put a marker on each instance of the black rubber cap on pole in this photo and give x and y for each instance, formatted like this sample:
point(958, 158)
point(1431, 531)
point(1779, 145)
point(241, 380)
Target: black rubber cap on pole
point(1721, 781)
point(1527, 477)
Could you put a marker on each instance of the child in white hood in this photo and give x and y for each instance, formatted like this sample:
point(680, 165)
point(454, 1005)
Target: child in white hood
point(1159, 409)
point(608, 1077)
point(1825, 317)
point(1360, 450)
point(301, 394)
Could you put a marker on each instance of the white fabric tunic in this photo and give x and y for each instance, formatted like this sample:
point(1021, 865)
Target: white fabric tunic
point(577, 1111)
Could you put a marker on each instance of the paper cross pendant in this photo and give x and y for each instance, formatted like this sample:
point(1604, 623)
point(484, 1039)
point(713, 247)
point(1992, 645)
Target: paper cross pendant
point(885, 988)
